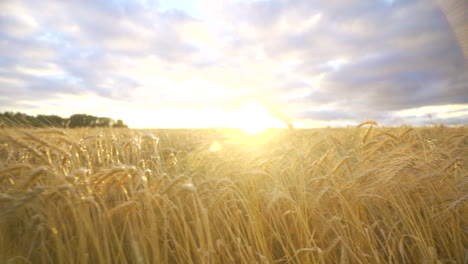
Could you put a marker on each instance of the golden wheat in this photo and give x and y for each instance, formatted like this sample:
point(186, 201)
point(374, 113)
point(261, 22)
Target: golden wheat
point(334, 195)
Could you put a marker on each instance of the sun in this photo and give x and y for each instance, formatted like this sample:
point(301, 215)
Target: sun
point(253, 118)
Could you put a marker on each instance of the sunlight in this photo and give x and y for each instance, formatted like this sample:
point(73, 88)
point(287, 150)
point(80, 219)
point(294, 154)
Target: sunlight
point(253, 118)
point(215, 146)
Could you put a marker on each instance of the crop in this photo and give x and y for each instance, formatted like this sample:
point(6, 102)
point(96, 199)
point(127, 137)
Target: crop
point(368, 194)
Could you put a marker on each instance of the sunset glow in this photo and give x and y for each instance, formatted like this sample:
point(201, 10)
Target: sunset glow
point(233, 131)
point(253, 118)
point(209, 63)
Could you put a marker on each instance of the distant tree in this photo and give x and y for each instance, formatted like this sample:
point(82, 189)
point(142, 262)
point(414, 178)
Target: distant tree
point(77, 120)
point(120, 124)
point(6, 119)
point(16, 119)
point(50, 121)
point(104, 122)
point(82, 120)
point(11, 119)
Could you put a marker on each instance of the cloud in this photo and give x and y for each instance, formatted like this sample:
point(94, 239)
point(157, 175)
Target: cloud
point(398, 55)
point(335, 60)
point(326, 115)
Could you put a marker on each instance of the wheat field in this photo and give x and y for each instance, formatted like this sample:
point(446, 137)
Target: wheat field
point(367, 194)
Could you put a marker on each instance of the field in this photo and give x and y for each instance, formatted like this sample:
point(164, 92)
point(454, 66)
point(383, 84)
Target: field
point(367, 194)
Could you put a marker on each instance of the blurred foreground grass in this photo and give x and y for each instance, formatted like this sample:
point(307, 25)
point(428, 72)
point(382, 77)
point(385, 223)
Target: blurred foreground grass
point(348, 195)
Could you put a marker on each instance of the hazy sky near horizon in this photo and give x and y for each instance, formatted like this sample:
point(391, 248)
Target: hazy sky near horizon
point(187, 63)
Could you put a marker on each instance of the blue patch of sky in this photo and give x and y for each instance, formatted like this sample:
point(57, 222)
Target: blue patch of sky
point(188, 6)
point(390, 2)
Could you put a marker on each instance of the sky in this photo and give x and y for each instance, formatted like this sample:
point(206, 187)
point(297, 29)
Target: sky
point(212, 63)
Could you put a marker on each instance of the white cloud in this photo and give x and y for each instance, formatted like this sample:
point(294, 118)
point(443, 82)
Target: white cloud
point(335, 64)
point(319, 62)
point(443, 111)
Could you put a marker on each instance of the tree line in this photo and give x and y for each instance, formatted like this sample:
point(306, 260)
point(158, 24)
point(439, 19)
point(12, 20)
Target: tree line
point(11, 119)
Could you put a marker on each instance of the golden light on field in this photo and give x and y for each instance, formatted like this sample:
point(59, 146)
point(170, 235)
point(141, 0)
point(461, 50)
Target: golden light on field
point(215, 146)
point(253, 118)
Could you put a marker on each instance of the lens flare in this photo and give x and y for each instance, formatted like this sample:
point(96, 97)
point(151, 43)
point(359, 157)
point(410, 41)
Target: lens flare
point(253, 118)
